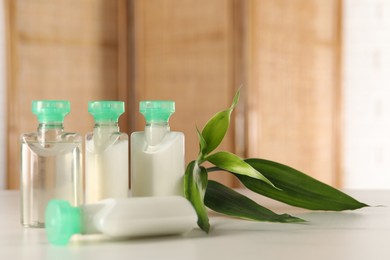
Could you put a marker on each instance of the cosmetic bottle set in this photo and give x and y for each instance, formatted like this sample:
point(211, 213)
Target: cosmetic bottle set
point(56, 194)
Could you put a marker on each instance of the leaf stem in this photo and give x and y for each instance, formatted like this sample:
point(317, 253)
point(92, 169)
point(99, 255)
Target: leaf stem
point(200, 159)
point(214, 169)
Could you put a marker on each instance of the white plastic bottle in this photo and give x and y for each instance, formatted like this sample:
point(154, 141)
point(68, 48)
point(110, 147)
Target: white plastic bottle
point(131, 217)
point(107, 154)
point(157, 154)
point(51, 163)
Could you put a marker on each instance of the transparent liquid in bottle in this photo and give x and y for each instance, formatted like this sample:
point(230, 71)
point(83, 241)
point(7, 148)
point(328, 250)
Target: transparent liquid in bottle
point(49, 171)
point(51, 163)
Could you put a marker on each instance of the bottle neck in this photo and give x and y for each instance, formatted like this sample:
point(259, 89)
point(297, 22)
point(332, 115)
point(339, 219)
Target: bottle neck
point(50, 131)
point(155, 132)
point(106, 126)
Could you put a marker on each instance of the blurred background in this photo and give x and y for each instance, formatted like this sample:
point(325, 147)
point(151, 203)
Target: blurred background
point(315, 75)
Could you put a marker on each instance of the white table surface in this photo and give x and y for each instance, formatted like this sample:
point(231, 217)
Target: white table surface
point(360, 234)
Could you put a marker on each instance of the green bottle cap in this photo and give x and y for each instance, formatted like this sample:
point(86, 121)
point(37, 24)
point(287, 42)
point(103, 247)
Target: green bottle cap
point(106, 110)
point(61, 221)
point(157, 111)
point(50, 110)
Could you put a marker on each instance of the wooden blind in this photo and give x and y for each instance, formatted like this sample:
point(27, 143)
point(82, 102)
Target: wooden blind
point(184, 51)
point(293, 104)
point(67, 49)
point(195, 52)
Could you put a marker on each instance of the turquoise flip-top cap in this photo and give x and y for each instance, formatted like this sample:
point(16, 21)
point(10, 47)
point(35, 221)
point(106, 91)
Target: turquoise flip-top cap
point(50, 110)
point(157, 111)
point(62, 221)
point(106, 110)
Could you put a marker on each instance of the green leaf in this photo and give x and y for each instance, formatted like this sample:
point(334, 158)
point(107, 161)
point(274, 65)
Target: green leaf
point(202, 142)
point(229, 202)
point(195, 183)
point(232, 163)
point(235, 99)
point(216, 128)
point(297, 188)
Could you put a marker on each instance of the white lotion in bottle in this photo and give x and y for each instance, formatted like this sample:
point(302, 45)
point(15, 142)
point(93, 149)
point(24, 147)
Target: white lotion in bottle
point(107, 153)
point(120, 218)
point(157, 154)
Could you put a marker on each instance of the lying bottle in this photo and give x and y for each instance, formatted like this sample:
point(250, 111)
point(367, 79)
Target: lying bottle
point(121, 218)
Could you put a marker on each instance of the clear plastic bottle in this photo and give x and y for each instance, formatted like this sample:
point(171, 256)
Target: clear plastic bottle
point(107, 154)
point(157, 154)
point(131, 217)
point(51, 163)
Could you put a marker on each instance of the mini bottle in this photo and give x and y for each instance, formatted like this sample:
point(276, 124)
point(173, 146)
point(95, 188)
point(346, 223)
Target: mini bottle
point(51, 163)
point(157, 154)
point(120, 218)
point(107, 154)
